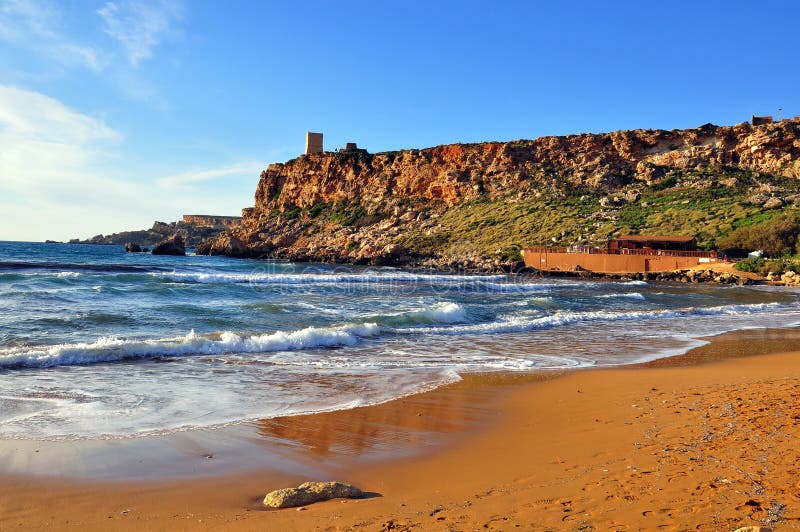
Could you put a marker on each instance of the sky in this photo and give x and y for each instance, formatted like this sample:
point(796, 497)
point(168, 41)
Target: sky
point(114, 114)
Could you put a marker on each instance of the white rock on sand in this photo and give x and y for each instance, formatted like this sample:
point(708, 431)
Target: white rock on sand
point(309, 493)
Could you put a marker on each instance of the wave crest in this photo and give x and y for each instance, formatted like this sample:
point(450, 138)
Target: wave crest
point(446, 318)
point(109, 349)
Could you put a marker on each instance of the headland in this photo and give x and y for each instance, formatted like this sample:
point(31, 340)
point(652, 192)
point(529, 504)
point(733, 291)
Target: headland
point(475, 207)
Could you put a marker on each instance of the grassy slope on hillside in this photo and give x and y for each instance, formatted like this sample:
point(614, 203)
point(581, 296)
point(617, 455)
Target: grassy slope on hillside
point(706, 204)
point(696, 205)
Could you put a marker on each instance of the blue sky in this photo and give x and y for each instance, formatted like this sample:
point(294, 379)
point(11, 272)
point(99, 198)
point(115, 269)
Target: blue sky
point(115, 114)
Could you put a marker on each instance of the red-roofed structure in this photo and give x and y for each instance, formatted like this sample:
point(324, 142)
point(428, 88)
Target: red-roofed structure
point(674, 243)
point(625, 254)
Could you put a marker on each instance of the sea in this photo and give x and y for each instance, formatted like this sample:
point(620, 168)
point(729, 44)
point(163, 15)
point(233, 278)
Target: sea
point(99, 344)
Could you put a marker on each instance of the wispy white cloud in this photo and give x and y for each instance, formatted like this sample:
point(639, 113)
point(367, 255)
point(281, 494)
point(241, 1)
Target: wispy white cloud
point(54, 41)
point(43, 139)
point(63, 174)
point(52, 165)
point(185, 179)
point(20, 17)
point(38, 25)
point(139, 25)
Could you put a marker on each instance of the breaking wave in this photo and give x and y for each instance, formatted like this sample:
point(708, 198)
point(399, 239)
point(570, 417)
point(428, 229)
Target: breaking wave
point(444, 319)
point(514, 323)
point(117, 349)
point(442, 313)
point(629, 295)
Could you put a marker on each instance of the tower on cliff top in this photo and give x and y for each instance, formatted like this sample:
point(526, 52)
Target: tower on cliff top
point(761, 120)
point(313, 142)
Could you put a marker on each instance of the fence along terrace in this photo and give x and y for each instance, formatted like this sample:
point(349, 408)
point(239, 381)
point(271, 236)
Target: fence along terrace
point(625, 254)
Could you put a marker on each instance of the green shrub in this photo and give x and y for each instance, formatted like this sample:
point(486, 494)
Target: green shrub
point(348, 215)
point(793, 266)
point(776, 236)
point(633, 216)
point(510, 253)
point(667, 182)
point(367, 219)
point(781, 266)
point(316, 210)
point(750, 265)
point(291, 214)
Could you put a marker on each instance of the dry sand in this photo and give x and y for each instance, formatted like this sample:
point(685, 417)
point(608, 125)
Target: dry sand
point(709, 446)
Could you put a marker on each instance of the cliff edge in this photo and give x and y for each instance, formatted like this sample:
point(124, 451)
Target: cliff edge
point(477, 205)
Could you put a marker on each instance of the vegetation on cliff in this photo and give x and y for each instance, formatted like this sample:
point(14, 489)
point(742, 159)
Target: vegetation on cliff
point(480, 204)
point(775, 236)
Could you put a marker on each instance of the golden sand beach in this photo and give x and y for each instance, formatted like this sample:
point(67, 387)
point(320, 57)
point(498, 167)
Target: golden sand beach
point(705, 441)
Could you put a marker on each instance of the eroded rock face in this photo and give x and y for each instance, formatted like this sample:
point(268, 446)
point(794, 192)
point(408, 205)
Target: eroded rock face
point(309, 493)
point(435, 179)
point(225, 244)
point(171, 246)
point(460, 172)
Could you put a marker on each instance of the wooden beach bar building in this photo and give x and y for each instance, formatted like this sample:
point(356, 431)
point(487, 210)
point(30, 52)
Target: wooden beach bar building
point(625, 254)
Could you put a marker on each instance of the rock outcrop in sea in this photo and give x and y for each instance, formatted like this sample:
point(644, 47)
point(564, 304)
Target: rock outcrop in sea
point(171, 246)
point(476, 205)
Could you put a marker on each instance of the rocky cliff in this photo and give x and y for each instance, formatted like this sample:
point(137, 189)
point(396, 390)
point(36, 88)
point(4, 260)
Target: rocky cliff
point(210, 220)
point(193, 231)
point(478, 204)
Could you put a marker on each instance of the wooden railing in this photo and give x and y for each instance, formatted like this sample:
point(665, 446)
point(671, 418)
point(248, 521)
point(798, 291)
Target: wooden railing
point(624, 251)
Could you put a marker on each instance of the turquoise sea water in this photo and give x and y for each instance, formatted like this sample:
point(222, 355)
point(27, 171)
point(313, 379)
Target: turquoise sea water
point(97, 343)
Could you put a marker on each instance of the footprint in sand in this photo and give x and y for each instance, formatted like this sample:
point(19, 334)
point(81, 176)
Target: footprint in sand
point(676, 476)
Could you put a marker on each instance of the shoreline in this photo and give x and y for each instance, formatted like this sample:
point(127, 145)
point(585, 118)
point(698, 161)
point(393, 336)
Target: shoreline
point(507, 435)
point(237, 447)
point(305, 444)
point(702, 274)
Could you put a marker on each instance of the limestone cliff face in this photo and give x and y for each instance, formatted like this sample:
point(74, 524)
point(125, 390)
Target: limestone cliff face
point(207, 220)
point(456, 173)
point(396, 186)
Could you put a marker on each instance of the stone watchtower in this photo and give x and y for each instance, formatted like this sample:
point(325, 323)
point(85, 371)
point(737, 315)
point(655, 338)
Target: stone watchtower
point(761, 120)
point(313, 143)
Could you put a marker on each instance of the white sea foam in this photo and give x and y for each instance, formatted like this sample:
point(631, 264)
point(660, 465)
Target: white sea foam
point(551, 285)
point(446, 315)
point(27, 274)
point(538, 362)
point(115, 349)
point(522, 287)
point(320, 278)
point(442, 313)
point(628, 295)
point(112, 349)
point(474, 282)
point(521, 323)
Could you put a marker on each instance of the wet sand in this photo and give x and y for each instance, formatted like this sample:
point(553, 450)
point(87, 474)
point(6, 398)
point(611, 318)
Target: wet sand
point(705, 441)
